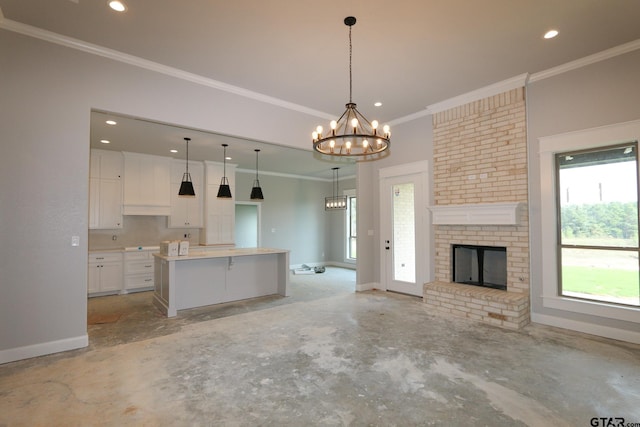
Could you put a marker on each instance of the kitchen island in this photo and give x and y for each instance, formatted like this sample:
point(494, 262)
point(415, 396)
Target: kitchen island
point(212, 276)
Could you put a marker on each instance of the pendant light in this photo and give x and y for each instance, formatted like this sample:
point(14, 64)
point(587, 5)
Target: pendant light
point(256, 191)
point(352, 134)
point(224, 191)
point(335, 202)
point(186, 186)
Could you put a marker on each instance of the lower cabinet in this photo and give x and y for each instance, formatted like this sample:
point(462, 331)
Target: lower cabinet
point(138, 271)
point(105, 273)
point(117, 272)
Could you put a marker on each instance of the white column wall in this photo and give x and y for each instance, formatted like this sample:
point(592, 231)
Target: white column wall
point(47, 94)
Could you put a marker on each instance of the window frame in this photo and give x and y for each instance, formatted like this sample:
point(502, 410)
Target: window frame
point(351, 194)
point(560, 244)
point(548, 148)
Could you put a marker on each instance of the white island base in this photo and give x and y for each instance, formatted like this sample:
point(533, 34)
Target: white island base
point(214, 276)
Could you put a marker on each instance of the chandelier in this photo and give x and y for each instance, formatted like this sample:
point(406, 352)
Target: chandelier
point(336, 201)
point(352, 134)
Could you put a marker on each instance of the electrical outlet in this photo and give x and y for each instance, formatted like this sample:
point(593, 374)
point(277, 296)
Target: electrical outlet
point(75, 240)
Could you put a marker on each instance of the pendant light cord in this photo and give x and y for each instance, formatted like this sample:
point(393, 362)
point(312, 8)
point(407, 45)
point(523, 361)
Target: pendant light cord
point(257, 165)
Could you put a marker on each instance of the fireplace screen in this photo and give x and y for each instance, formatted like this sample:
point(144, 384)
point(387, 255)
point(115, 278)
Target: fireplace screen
point(480, 265)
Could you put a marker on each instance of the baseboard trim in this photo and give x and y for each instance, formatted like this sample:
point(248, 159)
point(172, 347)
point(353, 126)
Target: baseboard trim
point(328, 263)
point(587, 328)
point(42, 349)
point(367, 286)
point(341, 265)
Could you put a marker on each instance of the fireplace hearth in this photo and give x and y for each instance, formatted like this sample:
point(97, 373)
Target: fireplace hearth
point(480, 265)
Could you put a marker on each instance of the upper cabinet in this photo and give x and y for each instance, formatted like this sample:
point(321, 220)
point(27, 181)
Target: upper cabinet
point(105, 189)
point(147, 184)
point(186, 212)
point(219, 214)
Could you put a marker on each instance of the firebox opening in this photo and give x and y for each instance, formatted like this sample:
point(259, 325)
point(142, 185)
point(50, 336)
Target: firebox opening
point(480, 265)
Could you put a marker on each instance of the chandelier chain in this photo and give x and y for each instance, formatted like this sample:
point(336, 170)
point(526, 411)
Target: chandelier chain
point(350, 72)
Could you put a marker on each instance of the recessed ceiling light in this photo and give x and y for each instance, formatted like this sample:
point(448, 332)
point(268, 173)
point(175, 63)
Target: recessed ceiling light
point(105, 141)
point(550, 34)
point(111, 122)
point(378, 104)
point(227, 158)
point(174, 151)
point(118, 6)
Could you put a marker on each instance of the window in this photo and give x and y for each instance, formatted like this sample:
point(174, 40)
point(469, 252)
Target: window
point(554, 295)
point(597, 208)
point(352, 233)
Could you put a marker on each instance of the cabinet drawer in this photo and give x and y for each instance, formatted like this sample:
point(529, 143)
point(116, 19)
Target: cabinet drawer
point(138, 267)
point(139, 255)
point(105, 257)
point(138, 281)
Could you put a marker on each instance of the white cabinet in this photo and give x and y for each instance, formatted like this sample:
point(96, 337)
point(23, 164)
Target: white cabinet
point(138, 270)
point(105, 273)
point(219, 214)
point(105, 189)
point(147, 184)
point(186, 212)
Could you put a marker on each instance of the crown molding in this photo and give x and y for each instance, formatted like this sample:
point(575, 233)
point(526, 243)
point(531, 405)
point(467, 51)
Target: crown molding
point(115, 55)
point(587, 60)
point(293, 176)
point(519, 81)
point(483, 92)
point(410, 117)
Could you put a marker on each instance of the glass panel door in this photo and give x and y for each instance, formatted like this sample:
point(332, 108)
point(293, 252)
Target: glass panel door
point(404, 232)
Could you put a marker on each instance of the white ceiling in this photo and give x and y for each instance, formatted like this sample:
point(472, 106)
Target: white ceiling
point(407, 54)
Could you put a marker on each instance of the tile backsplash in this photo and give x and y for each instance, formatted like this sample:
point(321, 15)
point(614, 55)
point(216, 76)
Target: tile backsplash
point(140, 231)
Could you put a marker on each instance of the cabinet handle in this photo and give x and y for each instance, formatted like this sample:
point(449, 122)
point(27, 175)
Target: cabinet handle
point(148, 266)
point(100, 257)
point(148, 280)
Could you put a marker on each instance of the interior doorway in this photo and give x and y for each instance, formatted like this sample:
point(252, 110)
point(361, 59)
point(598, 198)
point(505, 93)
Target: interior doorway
point(247, 227)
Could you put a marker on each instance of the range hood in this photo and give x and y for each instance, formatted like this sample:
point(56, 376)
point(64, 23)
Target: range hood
point(146, 210)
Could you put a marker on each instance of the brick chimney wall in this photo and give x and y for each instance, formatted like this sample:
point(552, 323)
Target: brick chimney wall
point(480, 156)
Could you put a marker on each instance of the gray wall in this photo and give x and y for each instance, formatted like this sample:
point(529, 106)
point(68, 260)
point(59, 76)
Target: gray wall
point(47, 94)
point(336, 223)
point(410, 142)
point(603, 93)
point(293, 215)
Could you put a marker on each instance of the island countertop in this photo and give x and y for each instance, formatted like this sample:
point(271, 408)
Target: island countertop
point(202, 253)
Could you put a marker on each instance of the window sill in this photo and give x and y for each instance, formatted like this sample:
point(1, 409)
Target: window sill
point(593, 308)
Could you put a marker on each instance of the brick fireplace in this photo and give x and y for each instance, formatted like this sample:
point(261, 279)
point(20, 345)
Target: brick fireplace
point(480, 196)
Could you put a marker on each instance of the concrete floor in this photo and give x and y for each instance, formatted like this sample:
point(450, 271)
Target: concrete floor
point(324, 356)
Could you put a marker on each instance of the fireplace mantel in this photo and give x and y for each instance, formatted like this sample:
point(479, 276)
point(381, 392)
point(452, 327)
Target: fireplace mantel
point(477, 214)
